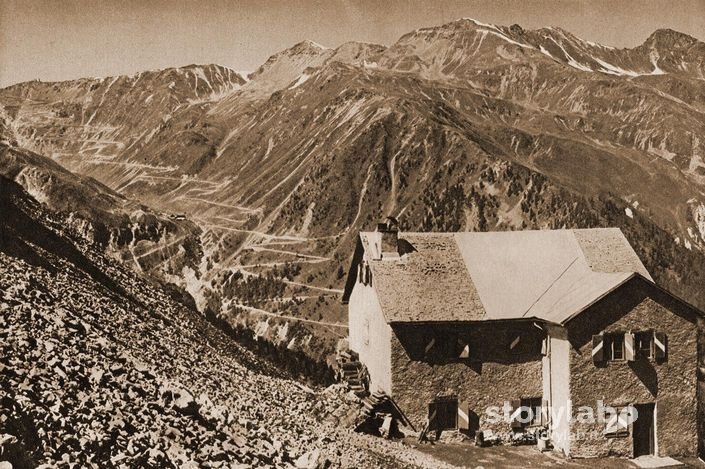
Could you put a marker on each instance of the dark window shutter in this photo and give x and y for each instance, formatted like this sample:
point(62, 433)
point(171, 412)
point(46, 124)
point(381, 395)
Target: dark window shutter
point(432, 416)
point(660, 346)
point(598, 348)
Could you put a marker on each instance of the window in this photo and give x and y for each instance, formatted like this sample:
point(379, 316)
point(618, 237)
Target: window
point(523, 343)
point(531, 412)
point(616, 347)
point(628, 346)
point(443, 413)
point(645, 344)
point(446, 346)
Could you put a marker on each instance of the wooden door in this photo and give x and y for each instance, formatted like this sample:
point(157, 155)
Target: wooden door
point(644, 430)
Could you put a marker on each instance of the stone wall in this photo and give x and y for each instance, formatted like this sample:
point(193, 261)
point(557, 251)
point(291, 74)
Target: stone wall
point(671, 385)
point(492, 375)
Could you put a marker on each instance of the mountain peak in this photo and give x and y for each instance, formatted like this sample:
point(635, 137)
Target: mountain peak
point(476, 22)
point(306, 45)
point(669, 38)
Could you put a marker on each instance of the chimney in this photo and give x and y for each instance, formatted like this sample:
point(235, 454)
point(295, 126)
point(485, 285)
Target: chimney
point(389, 232)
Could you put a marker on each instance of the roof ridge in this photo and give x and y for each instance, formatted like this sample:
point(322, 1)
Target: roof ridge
point(549, 286)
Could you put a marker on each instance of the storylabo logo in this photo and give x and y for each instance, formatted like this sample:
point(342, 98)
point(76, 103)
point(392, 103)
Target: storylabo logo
point(611, 417)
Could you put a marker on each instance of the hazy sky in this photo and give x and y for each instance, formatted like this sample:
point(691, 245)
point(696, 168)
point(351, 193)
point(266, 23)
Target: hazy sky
point(64, 39)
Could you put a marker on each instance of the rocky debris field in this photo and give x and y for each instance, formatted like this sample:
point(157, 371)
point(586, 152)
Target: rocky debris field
point(108, 371)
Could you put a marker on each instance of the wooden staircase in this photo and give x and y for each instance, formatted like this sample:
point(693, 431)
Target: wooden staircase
point(353, 372)
point(376, 402)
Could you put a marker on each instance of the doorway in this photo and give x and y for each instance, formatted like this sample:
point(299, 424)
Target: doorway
point(644, 430)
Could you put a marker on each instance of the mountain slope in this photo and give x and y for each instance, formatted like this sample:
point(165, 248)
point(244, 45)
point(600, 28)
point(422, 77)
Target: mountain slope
point(101, 368)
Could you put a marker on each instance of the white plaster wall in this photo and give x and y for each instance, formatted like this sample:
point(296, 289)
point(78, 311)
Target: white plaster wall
point(559, 362)
point(371, 336)
point(546, 378)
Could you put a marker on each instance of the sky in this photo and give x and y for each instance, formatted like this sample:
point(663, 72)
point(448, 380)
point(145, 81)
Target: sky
point(64, 39)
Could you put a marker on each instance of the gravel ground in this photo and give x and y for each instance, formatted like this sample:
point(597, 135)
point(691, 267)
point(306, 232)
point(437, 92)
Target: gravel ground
point(100, 368)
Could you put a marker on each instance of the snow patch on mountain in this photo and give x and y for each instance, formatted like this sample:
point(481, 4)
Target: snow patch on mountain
point(270, 145)
point(511, 41)
point(544, 51)
point(315, 44)
point(571, 61)
point(613, 69)
point(484, 25)
point(654, 56)
point(302, 79)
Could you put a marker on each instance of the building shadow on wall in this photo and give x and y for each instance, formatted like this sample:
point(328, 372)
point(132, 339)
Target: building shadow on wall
point(646, 372)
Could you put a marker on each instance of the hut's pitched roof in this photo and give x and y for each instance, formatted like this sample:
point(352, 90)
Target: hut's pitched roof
point(548, 275)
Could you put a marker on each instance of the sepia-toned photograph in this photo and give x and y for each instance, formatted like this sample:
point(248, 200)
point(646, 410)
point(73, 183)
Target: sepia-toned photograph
point(327, 234)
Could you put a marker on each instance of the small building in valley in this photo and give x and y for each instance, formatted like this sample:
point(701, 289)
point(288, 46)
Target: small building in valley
point(468, 331)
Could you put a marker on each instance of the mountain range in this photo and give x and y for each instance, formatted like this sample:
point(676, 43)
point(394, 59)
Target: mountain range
point(247, 192)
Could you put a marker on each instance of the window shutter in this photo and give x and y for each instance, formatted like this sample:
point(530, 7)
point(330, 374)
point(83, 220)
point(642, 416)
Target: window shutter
point(516, 413)
point(463, 416)
point(544, 346)
point(368, 275)
point(660, 343)
point(515, 342)
point(629, 351)
point(432, 416)
point(544, 411)
point(612, 424)
point(462, 349)
point(619, 422)
point(598, 348)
